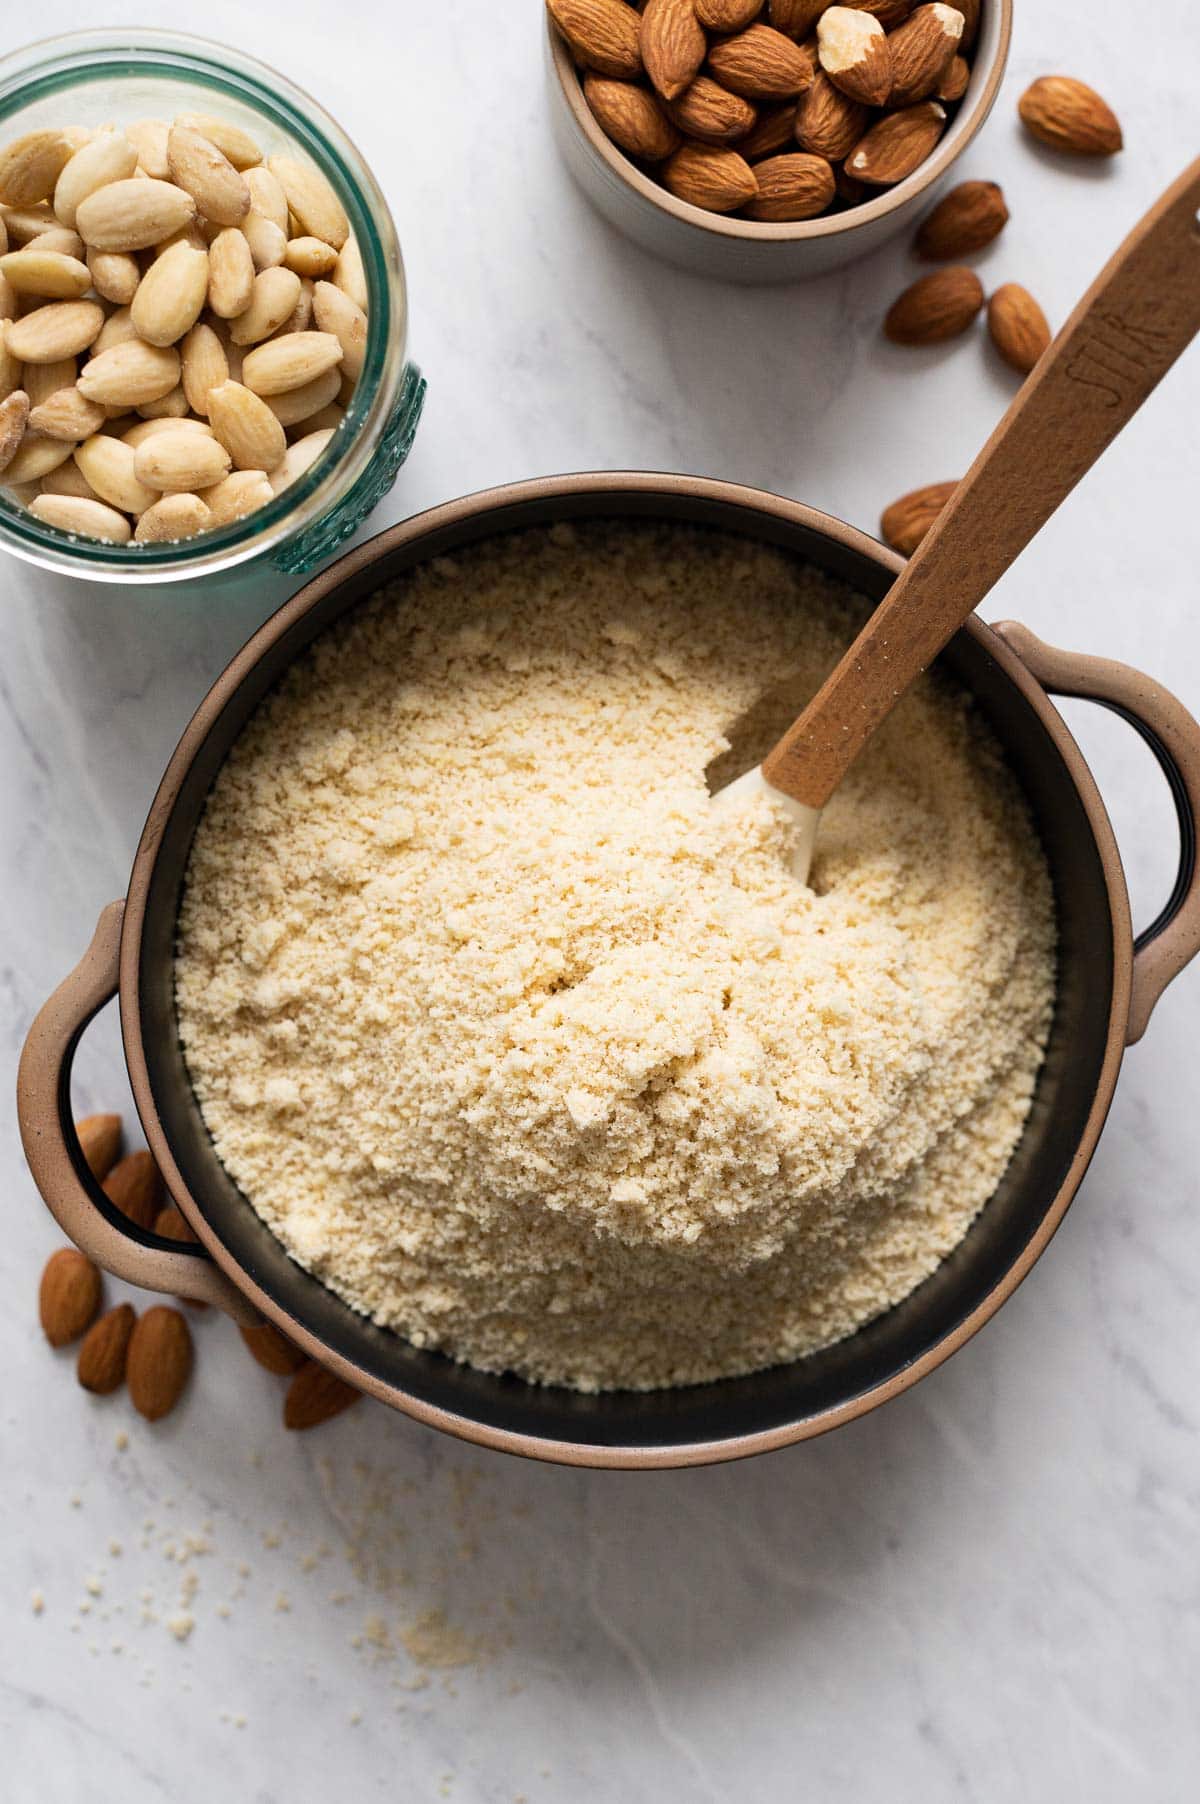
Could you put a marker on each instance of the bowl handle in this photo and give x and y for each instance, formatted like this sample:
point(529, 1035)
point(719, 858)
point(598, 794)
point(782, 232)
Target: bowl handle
point(1173, 940)
point(59, 1169)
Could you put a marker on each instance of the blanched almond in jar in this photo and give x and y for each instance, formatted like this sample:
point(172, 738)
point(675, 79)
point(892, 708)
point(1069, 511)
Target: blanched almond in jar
point(10, 366)
point(330, 418)
point(130, 374)
point(144, 429)
point(348, 273)
point(60, 239)
point(67, 414)
point(41, 380)
point(174, 462)
point(46, 273)
point(219, 191)
point(30, 165)
point(245, 425)
point(230, 273)
point(234, 143)
point(267, 199)
point(35, 456)
point(171, 295)
point(285, 363)
point(310, 257)
point(171, 406)
point(14, 416)
point(275, 294)
point(300, 403)
point(311, 200)
point(301, 316)
point(117, 329)
point(68, 479)
point(108, 157)
point(205, 366)
point(8, 299)
point(22, 224)
point(174, 517)
point(92, 519)
point(149, 139)
point(242, 493)
point(60, 329)
point(115, 275)
point(109, 466)
point(268, 243)
point(337, 313)
point(298, 458)
point(133, 214)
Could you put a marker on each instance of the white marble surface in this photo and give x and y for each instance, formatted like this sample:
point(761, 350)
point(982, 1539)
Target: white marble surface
point(988, 1591)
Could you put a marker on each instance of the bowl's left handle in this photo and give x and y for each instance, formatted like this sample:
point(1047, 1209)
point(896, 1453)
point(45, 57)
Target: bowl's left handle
point(52, 1148)
point(1172, 941)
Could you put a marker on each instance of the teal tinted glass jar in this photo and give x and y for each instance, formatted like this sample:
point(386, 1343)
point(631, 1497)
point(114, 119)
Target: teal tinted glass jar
point(117, 76)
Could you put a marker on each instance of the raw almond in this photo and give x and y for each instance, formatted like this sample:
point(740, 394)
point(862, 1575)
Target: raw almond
point(897, 144)
point(631, 117)
point(67, 414)
point(299, 456)
point(828, 122)
point(267, 198)
point(218, 189)
point(173, 517)
point(24, 223)
point(117, 329)
point(101, 1364)
point(134, 1184)
point(50, 274)
point(328, 418)
point(1018, 327)
point(149, 139)
point(603, 34)
point(14, 417)
point(1068, 115)
point(311, 200)
point(774, 130)
point(171, 406)
point(99, 1138)
point(89, 519)
point(286, 363)
point(137, 435)
point(795, 17)
point(171, 295)
point(246, 426)
point(273, 1350)
point(240, 494)
point(970, 10)
point(890, 13)
point(795, 186)
point(267, 241)
point(704, 175)
point(30, 166)
point(761, 64)
point(672, 44)
point(204, 366)
point(955, 80)
point(132, 215)
point(301, 403)
point(66, 242)
point(180, 462)
point(272, 299)
point(968, 218)
point(335, 312)
point(922, 50)
point(905, 522)
point(35, 457)
point(707, 111)
point(68, 479)
point(41, 380)
point(115, 275)
point(936, 307)
point(60, 329)
point(158, 1361)
point(108, 157)
point(68, 1297)
point(727, 15)
point(349, 276)
point(172, 1224)
point(233, 143)
point(312, 257)
point(853, 51)
point(315, 1395)
point(130, 374)
point(10, 366)
point(230, 273)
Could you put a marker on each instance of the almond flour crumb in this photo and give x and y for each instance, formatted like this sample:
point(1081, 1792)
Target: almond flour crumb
point(538, 1059)
point(37, 1602)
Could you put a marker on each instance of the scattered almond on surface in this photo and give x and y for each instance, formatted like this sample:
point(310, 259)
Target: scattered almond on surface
point(1018, 327)
point(964, 221)
point(100, 1139)
point(315, 1395)
point(69, 1296)
point(101, 1364)
point(136, 1188)
point(906, 521)
point(936, 307)
point(272, 1349)
point(158, 1361)
point(1067, 115)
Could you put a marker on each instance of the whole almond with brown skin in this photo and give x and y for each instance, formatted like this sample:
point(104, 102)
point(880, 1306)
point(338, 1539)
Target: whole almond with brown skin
point(890, 13)
point(158, 1362)
point(955, 80)
point(711, 113)
point(897, 144)
point(315, 1395)
point(937, 307)
point(631, 117)
point(922, 49)
point(969, 217)
point(673, 45)
point(854, 52)
point(172, 1224)
point(100, 1367)
point(707, 176)
point(970, 10)
point(603, 34)
point(828, 122)
point(727, 15)
point(774, 131)
point(795, 18)
point(273, 1350)
point(134, 1184)
point(1068, 115)
point(761, 64)
point(795, 186)
point(99, 1139)
point(1018, 327)
point(905, 522)
point(68, 1297)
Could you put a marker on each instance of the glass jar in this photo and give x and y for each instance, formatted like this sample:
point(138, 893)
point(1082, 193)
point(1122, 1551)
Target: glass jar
point(116, 76)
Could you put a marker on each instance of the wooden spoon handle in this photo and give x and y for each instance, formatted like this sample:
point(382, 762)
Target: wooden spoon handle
point(1141, 312)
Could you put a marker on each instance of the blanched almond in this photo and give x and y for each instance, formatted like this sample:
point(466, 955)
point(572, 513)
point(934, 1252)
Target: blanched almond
point(233, 143)
point(35, 456)
point(30, 165)
point(149, 139)
point(60, 329)
point(8, 300)
point(267, 199)
point(335, 312)
point(274, 296)
point(267, 241)
point(115, 275)
point(299, 457)
point(91, 519)
point(117, 329)
point(219, 191)
point(348, 274)
point(246, 426)
point(286, 363)
point(129, 374)
point(68, 479)
point(41, 380)
point(310, 257)
point(242, 493)
point(300, 403)
point(326, 418)
point(21, 224)
point(61, 239)
point(174, 517)
point(132, 215)
point(10, 366)
point(230, 273)
point(171, 295)
point(173, 462)
point(144, 429)
point(14, 417)
point(205, 366)
point(311, 200)
point(109, 466)
point(108, 157)
point(67, 414)
point(171, 406)
point(47, 273)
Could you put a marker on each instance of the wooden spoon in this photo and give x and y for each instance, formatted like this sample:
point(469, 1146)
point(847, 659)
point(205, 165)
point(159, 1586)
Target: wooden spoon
point(1141, 312)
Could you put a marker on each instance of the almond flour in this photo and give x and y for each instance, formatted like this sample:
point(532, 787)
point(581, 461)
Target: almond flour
point(536, 1058)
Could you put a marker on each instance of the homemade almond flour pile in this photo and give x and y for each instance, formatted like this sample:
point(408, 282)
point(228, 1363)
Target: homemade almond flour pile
point(537, 1058)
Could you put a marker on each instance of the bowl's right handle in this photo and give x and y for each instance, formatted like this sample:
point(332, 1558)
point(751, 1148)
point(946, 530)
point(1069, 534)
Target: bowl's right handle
point(52, 1149)
point(1173, 940)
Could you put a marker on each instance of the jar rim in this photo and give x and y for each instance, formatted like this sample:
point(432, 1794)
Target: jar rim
point(80, 59)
